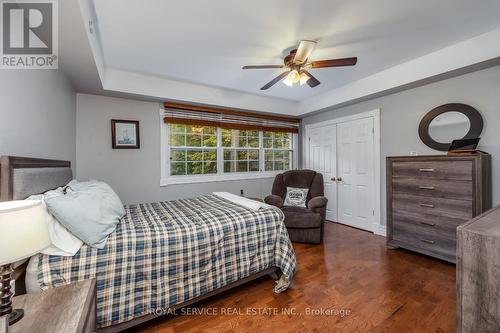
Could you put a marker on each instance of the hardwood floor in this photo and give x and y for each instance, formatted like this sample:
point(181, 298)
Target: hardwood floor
point(379, 290)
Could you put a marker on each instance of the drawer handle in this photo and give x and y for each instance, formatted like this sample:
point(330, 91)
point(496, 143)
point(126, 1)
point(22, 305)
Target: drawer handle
point(429, 224)
point(426, 187)
point(426, 205)
point(426, 170)
point(428, 241)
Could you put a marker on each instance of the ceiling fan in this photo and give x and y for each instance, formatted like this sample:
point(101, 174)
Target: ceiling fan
point(297, 65)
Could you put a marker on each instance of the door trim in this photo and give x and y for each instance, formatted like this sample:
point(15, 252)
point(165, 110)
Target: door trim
point(377, 227)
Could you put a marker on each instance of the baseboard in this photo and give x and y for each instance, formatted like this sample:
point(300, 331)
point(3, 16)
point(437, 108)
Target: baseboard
point(381, 231)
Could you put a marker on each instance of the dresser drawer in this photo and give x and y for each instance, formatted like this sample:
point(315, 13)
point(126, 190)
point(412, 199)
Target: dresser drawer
point(427, 238)
point(451, 170)
point(440, 225)
point(425, 206)
point(435, 188)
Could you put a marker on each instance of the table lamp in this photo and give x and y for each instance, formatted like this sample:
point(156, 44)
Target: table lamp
point(24, 233)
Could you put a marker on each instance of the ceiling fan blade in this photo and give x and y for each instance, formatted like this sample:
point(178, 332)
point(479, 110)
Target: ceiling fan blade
point(304, 51)
point(275, 80)
point(262, 66)
point(334, 62)
point(312, 82)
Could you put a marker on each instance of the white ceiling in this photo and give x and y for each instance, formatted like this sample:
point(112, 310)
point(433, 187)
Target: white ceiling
point(207, 42)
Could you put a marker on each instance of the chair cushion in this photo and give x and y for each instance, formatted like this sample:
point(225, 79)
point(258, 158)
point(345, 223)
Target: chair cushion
point(301, 218)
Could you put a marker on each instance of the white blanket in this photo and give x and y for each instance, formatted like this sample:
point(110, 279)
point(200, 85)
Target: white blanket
point(242, 201)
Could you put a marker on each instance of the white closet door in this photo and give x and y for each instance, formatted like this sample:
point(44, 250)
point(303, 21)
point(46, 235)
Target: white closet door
point(356, 173)
point(322, 159)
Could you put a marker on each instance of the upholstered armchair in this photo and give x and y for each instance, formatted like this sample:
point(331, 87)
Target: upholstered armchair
point(305, 225)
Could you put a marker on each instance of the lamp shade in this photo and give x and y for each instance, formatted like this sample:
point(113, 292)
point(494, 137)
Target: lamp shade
point(23, 230)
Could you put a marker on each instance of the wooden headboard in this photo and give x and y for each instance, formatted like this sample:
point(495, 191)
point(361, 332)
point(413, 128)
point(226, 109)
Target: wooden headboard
point(35, 168)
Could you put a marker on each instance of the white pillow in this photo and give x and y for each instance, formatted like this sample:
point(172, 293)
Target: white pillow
point(63, 242)
point(296, 197)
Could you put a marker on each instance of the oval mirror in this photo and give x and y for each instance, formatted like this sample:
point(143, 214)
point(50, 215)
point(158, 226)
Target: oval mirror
point(449, 126)
point(440, 126)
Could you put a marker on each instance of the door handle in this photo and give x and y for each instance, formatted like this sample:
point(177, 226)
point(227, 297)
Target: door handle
point(334, 179)
point(339, 179)
point(426, 187)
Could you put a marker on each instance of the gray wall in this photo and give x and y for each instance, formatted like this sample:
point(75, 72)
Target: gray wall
point(37, 114)
point(135, 174)
point(401, 114)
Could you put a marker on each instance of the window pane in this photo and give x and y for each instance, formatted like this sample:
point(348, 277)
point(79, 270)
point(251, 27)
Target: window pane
point(207, 130)
point(210, 140)
point(209, 167)
point(177, 140)
point(268, 143)
point(253, 141)
point(177, 168)
point(253, 155)
point(210, 155)
point(277, 160)
point(278, 155)
point(242, 166)
point(242, 155)
point(177, 155)
point(177, 128)
point(193, 140)
point(194, 129)
point(269, 155)
point(226, 141)
point(242, 141)
point(230, 166)
point(229, 154)
point(194, 168)
point(253, 166)
point(253, 133)
point(194, 155)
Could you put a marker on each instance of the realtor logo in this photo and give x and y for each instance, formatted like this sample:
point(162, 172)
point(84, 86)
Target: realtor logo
point(29, 38)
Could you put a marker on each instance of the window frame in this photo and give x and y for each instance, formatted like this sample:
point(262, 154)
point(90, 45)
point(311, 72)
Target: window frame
point(166, 179)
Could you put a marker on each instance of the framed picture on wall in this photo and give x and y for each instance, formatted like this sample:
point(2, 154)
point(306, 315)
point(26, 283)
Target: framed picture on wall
point(125, 134)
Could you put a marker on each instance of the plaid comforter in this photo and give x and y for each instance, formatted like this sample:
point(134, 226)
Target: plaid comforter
point(165, 253)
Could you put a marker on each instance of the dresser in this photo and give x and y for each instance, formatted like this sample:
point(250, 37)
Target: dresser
point(428, 197)
point(478, 271)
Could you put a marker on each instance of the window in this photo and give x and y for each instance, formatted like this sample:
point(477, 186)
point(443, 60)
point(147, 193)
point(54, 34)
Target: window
point(278, 150)
point(205, 153)
point(193, 150)
point(241, 150)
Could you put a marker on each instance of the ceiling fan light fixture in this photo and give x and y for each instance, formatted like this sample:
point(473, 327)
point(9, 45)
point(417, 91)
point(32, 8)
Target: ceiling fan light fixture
point(292, 79)
point(304, 78)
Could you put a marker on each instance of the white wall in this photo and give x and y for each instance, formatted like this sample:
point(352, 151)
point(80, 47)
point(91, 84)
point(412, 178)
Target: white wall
point(401, 114)
point(37, 114)
point(135, 173)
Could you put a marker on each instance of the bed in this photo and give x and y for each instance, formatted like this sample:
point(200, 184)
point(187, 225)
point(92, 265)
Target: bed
point(163, 255)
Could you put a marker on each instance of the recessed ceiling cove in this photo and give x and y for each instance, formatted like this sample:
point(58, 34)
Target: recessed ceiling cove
point(208, 42)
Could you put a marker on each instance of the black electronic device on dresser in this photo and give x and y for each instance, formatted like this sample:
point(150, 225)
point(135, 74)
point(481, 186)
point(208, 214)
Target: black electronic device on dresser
point(428, 197)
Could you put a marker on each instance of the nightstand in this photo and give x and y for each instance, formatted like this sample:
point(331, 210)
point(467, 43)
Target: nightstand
point(67, 309)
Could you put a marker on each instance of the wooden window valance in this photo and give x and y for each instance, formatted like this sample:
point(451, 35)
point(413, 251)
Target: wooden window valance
point(186, 114)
